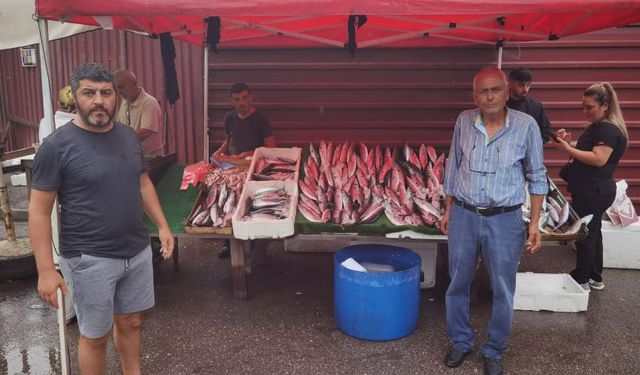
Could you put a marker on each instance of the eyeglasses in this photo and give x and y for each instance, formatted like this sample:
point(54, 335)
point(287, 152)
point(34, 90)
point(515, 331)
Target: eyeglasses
point(487, 166)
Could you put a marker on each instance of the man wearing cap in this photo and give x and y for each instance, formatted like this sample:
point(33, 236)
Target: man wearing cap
point(142, 112)
point(519, 86)
point(65, 113)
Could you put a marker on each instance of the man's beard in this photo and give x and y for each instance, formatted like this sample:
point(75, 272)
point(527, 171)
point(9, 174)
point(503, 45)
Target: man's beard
point(86, 117)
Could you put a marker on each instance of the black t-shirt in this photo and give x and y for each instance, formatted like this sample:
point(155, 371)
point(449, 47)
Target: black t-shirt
point(591, 179)
point(535, 109)
point(246, 134)
point(97, 180)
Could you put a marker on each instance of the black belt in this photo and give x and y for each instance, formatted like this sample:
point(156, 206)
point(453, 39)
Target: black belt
point(489, 211)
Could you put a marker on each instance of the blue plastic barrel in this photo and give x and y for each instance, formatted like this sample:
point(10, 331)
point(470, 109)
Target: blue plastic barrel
point(377, 306)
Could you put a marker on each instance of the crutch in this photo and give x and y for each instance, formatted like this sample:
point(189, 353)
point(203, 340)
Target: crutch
point(62, 328)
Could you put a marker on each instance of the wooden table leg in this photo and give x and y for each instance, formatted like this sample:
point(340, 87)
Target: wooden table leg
point(237, 268)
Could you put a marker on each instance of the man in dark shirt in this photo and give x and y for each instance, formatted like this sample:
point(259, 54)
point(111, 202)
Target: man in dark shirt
point(245, 129)
point(519, 86)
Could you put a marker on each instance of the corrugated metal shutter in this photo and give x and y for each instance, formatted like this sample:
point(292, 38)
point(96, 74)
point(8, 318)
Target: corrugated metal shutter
point(21, 87)
point(390, 96)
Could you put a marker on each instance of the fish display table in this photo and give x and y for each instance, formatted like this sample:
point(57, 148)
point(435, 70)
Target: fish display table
point(177, 205)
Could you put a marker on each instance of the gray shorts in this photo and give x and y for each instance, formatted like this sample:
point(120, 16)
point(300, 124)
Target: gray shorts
point(103, 287)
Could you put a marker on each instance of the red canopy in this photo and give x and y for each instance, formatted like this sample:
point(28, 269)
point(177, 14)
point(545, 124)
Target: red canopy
point(390, 23)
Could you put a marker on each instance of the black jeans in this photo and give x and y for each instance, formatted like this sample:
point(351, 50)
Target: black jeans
point(589, 256)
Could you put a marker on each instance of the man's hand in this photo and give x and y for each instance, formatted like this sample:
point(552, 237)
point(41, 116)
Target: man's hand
point(166, 241)
point(444, 222)
point(534, 241)
point(48, 283)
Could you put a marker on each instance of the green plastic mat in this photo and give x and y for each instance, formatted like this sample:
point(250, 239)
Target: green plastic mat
point(175, 203)
point(381, 227)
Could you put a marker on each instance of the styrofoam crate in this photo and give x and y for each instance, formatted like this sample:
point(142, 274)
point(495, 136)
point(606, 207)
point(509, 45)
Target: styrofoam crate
point(550, 292)
point(293, 153)
point(620, 245)
point(428, 253)
point(19, 179)
point(263, 228)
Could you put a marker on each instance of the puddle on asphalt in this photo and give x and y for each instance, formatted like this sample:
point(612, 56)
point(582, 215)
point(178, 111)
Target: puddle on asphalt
point(36, 360)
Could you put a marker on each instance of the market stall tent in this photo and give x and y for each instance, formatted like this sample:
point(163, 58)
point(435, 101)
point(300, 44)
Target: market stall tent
point(308, 23)
point(350, 25)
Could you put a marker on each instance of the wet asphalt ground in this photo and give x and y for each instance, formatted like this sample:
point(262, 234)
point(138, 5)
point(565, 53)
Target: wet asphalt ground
point(287, 325)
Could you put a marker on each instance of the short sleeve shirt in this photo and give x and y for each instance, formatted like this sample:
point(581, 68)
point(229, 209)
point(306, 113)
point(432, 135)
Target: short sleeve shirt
point(97, 180)
point(145, 113)
point(246, 134)
point(600, 134)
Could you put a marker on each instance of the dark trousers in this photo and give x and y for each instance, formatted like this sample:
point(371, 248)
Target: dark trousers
point(589, 256)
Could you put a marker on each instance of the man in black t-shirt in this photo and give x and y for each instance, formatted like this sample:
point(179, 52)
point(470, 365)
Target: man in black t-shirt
point(95, 169)
point(519, 86)
point(245, 129)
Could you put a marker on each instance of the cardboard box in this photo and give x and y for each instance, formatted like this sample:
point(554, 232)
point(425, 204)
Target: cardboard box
point(550, 292)
point(620, 245)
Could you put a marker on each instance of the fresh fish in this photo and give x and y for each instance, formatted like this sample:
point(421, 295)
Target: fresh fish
point(394, 216)
point(372, 213)
point(201, 218)
point(363, 151)
point(431, 153)
point(310, 214)
point(211, 197)
point(314, 154)
point(230, 204)
point(222, 197)
point(564, 215)
point(195, 214)
point(422, 157)
point(426, 207)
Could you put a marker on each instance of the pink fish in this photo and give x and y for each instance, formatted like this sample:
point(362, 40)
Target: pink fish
point(422, 157)
point(211, 197)
point(326, 215)
point(378, 157)
point(431, 152)
point(438, 168)
point(309, 214)
point(307, 190)
point(363, 151)
point(335, 159)
point(313, 154)
point(352, 164)
point(372, 213)
point(384, 169)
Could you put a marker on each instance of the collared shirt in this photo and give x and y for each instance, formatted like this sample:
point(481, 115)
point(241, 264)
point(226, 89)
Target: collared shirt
point(491, 172)
point(145, 113)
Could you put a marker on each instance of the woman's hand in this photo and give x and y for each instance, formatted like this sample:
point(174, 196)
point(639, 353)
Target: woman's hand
point(563, 140)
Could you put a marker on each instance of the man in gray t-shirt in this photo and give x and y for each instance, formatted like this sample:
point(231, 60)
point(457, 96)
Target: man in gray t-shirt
point(95, 168)
point(245, 129)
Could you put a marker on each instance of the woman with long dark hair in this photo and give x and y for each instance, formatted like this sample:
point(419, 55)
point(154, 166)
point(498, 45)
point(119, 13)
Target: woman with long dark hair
point(589, 174)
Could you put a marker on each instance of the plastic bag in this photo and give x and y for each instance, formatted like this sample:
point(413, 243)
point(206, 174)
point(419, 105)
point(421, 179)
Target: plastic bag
point(194, 174)
point(622, 212)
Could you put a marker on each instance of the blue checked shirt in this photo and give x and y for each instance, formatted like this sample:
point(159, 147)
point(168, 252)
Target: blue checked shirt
point(487, 172)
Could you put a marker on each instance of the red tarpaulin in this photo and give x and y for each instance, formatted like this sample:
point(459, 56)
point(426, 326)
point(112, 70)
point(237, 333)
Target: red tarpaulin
point(390, 23)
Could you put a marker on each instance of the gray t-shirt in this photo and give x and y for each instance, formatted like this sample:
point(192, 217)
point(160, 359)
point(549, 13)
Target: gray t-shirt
point(97, 180)
point(246, 134)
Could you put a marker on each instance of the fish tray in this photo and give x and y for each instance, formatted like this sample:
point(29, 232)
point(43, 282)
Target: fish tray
point(265, 228)
point(549, 292)
point(293, 153)
point(208, 229)
point(554, 192)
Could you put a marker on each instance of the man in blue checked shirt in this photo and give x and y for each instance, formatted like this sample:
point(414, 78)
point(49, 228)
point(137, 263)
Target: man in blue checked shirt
point(494, 151)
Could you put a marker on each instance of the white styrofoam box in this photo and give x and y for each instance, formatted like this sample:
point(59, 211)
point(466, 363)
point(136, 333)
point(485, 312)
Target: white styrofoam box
point(263, 228)
point(550, 292)
point(19, 179)
point(274, 152)
point(620, 245)
point(428, 253)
